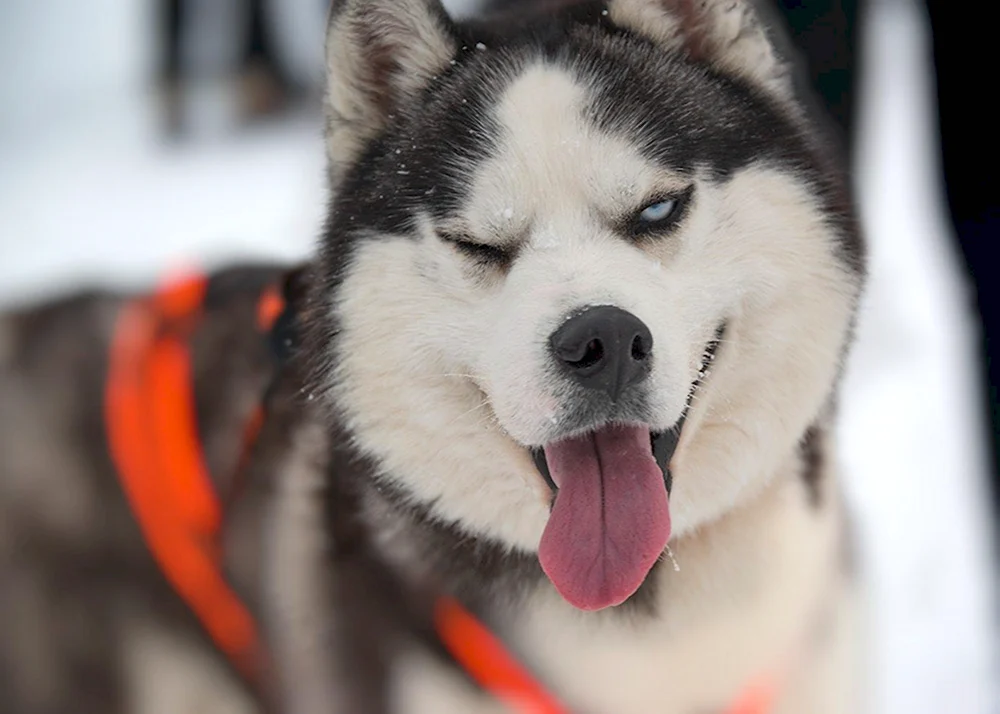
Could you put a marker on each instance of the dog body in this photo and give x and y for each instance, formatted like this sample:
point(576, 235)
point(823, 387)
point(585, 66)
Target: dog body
point(587, 285)
point(581, 308)
point(90, 622)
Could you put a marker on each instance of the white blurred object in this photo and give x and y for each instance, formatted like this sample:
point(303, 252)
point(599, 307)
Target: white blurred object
point(912, 434)
point(299, 34)
point(57, 55)
point(296, 29)
point(108, 203)
point(213, 34)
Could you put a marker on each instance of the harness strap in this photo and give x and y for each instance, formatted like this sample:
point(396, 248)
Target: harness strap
point(485, 658)
point(269, 308)
point(153, 440)
point(488, 662)
point(760, 698)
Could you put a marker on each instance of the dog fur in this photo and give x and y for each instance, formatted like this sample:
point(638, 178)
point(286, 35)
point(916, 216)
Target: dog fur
point(481, 174)
point(486, 178)
point(90, 624)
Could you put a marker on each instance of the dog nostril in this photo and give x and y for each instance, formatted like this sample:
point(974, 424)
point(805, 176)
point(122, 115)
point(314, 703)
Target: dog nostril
point(604, 348)
point(640, 350)
point(592, 355)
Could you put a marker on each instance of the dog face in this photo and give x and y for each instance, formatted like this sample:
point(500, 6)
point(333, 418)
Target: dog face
point(558, 243)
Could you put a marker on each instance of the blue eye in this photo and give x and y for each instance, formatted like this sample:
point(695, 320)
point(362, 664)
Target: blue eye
point(660, 216)
point(656, 212)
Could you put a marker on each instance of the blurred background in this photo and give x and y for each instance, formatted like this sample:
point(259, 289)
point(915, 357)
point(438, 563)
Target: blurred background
point(137, 135)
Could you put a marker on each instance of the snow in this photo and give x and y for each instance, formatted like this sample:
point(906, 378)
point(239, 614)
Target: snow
point(87, 193)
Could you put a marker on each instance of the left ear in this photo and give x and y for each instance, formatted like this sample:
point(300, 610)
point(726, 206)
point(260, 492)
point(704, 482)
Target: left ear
point(726, 34)
point(380, 53)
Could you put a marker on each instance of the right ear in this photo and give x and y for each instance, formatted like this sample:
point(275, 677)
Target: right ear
point(379, 54)
point(727, 34)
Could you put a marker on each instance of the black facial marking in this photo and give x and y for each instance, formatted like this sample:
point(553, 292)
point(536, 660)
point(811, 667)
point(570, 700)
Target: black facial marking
point(424, 160)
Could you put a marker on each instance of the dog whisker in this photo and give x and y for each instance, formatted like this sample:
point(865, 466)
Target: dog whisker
point(670, 554)
point(462, 376)
point(466, 413)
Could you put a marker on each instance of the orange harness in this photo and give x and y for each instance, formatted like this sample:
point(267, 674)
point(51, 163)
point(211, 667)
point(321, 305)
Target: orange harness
point(487, 661)
point(153, 439)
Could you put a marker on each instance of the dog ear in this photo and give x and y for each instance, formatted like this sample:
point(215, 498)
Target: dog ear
point(379, 53)
point(726, 34)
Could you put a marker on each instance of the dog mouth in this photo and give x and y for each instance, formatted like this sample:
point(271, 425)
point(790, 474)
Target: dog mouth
point(610, 517)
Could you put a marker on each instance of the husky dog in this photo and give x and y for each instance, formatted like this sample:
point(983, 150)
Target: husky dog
point(89, 622)
point(571, 358)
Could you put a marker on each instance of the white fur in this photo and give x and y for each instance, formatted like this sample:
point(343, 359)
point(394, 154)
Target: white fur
point(449, 369)
point(423, 685)
point(167, 674)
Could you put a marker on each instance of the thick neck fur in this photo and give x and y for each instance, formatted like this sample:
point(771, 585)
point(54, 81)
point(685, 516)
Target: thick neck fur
point(761, 577)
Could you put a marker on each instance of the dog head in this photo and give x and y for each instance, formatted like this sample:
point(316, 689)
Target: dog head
point(561, 241)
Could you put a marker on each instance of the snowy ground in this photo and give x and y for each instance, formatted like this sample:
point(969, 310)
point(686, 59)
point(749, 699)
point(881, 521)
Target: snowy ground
point(86, 193)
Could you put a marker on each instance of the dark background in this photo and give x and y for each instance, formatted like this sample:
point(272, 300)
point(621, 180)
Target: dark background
point(964, 56)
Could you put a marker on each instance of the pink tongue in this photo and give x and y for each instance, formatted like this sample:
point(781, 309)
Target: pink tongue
point(611, 519)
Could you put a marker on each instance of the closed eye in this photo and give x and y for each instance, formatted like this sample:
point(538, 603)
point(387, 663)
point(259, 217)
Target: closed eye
point(659, 215)
point(482, 253)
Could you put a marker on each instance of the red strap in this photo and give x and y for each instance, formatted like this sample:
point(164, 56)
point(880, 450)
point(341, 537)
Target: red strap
point(270, 305)
point(758, 699)
point(269, 308)
point(152, 434)
point(487, 661)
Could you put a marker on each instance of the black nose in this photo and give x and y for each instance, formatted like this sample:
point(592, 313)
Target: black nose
point(604, 348)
